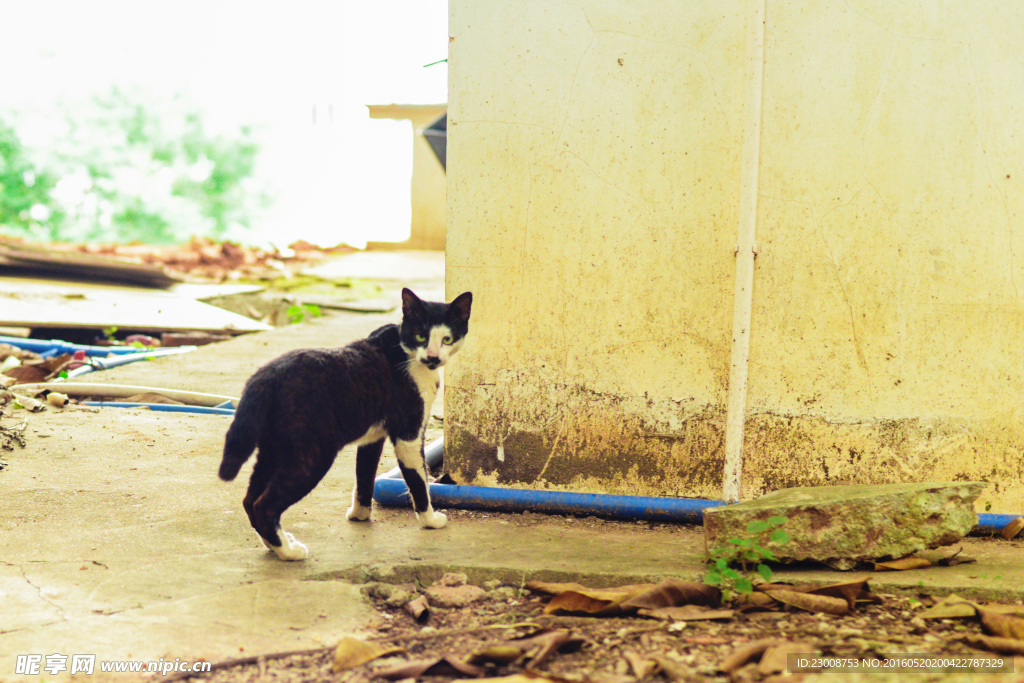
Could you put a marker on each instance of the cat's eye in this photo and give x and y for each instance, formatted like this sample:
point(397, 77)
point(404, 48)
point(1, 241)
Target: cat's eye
point(447, 340)
point(421, 338)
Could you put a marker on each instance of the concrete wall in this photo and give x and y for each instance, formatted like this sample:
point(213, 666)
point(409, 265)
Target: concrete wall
point(594, 179)
point(427, 229)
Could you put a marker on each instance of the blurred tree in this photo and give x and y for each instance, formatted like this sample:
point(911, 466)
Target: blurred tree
point(25, 201)
point(128, 166)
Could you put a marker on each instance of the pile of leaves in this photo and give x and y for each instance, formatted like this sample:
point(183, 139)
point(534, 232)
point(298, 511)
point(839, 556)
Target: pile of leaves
point(33, 367)
point(671, 631)
point(202, 259)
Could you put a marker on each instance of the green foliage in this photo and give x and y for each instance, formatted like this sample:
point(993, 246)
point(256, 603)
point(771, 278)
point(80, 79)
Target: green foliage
point(297, 313)
point(24, 190)
point(128, 166)
point(745, 552)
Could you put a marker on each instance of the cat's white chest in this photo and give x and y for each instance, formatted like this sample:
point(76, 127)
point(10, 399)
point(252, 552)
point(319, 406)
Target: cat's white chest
point(427, 381)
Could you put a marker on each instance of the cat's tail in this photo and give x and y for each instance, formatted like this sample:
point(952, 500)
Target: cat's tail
point(245, 429)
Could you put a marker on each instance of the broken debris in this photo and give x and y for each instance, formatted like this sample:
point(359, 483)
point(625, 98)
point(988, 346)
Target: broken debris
point(843, 525)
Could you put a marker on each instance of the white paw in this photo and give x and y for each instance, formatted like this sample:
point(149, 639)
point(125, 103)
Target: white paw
point(290, 548)
point(358, 513)
point(432, 520)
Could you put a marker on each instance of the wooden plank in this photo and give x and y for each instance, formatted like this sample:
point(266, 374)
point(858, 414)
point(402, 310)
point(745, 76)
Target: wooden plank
point(24, 259)
point(42, 303)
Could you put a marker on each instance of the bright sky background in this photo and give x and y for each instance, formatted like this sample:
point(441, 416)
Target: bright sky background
point(261, 63)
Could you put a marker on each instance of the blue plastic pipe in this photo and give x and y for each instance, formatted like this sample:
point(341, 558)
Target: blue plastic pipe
point(42, 346)
point(393, 492)
point(166, 407)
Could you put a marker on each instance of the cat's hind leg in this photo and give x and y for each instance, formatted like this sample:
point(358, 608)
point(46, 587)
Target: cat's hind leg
point(367, 459)
point(285, 488)
point(412, 464)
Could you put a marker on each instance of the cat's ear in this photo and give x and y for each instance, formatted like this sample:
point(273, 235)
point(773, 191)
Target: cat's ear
point(411, 304)
point(459, 308)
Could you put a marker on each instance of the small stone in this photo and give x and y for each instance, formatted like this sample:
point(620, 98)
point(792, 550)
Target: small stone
point(493, 584)
point(452, 579)
point(454, 596)
point(503, 593)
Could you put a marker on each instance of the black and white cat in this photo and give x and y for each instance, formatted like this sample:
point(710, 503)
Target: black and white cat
point(303, 407)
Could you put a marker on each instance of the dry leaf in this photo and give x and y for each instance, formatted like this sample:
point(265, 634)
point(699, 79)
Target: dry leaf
point(1013, 528)
point(810, 602)
point(27, 374)
point(1006, 646)
point(852, 591)
point(431, 667)
point(1016, 610)
point(748, 653)
point(671, 670)
point(527, 677)
point(553, 588)
point(672, 592)
point(539, 648)
point(597, 602)
point(641, 666)
point(951, 607)
point(755, 600)
point(902, 564)
point(497, 654)
point(687, 613)
point(1003, 625)
point(945, 557)
point(352, 652)
point(775, 658)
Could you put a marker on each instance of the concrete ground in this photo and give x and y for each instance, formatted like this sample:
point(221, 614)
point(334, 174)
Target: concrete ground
point(118, 539)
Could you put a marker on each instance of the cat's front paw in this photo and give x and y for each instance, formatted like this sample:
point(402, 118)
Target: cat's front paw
point(291, 549)
point(432, 520)
point(358, 513)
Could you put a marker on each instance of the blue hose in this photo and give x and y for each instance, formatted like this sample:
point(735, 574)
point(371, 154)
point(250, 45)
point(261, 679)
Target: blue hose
point(166, 407)
point(393, 492)
point(42, 346)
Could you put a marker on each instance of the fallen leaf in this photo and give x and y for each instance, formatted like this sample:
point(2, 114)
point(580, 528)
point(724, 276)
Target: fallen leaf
point(852, 591)
point(810, 602)
point(1013, 528)
point(553, 588)
point(641, 667)
point(671, 670)
point(1006, 646)
point(540, 647)
point(748, 653)
point(431, 667)
point(950, 607)
point(1016, 610)
point(352, 652)
point(27, 374)
point(902, 564)
point(1004, 625)
point(527, 677)
point(755, 600)
point(687, 613)
point(672, 592)
point(497, 654)
point(775, 658)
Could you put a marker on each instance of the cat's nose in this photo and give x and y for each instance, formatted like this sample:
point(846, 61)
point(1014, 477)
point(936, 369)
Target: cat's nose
point(431, 362)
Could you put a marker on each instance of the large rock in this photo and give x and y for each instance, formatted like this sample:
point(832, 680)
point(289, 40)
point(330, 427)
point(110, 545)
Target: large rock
point(843, 525)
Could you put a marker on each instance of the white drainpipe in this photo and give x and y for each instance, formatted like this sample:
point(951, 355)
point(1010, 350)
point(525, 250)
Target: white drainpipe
point(745, 253)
